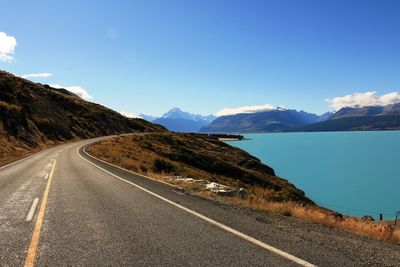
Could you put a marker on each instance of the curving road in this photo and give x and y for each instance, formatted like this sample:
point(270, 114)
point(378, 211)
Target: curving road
point(61, 207)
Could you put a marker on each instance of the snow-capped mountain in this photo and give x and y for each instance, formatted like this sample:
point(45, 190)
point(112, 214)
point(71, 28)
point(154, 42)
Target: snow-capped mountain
point(180, 121)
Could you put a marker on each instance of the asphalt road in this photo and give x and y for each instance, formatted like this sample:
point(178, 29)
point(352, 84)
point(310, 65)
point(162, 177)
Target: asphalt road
point(61, 207)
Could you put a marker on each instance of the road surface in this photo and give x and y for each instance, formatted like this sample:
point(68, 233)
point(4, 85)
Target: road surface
point(61, 207)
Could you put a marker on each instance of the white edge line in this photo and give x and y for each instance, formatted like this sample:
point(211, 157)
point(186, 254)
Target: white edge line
point(32, 210)
point(209, 220)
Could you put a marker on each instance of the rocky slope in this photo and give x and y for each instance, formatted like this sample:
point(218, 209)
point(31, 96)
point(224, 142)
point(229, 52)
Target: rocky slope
point(33, 116)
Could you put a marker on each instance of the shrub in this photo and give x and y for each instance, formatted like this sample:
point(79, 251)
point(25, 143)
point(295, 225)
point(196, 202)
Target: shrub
point(161, 165)
point(143, 168)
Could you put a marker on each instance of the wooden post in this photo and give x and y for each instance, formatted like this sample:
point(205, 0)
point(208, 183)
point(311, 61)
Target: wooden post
point(380, 216)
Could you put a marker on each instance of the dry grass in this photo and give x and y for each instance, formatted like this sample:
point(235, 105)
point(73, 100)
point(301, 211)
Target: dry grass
point(378, 230)
point(34, 116)
point(139, 153)
point(396, 235)
point(190, 156)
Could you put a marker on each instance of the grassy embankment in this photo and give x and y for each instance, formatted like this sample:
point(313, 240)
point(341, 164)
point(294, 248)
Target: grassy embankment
point(162, 155)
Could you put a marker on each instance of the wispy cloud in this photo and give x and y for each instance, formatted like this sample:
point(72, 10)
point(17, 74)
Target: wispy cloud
point(370, 98)
point(130, 115)
point(7, 47)
point(37, 75)
point(245, 109)
point(79, 91)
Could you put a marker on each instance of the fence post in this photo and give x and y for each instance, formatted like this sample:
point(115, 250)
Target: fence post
point(380, 216)
point(395, 220)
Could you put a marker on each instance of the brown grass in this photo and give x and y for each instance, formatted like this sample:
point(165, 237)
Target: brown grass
point(396, 235)
point(378, 230)
point(33, 116)
point(141, 152)
point(201, 158)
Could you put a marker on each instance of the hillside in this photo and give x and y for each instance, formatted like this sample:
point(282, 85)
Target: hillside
point(374, 118)
point(277, 120)
point(389, 110)
point(365, 123)
point(196, 156)
point(33, 116)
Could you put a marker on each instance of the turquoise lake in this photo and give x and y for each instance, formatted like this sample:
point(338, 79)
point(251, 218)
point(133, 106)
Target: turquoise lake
point(355, 173)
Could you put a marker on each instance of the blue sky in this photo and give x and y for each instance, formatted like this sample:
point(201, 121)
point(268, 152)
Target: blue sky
point(149, 56)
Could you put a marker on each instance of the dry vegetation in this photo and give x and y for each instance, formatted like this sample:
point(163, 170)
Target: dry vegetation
point(378, 230)
point(35, 116)
point(201, 158)
point(160, 155)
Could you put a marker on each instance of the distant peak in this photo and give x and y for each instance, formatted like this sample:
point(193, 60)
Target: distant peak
point(177, 113)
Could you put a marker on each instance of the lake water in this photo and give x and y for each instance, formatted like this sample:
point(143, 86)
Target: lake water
point(355, 173)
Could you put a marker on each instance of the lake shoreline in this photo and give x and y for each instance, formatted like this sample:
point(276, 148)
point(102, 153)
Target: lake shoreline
point(303, 158)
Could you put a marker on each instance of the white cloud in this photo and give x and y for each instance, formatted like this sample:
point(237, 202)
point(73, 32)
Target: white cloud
point(130, 115)
point(79, 91)
point(370, 98)
point(37, 75)
point(7, 46)
point(245, 109)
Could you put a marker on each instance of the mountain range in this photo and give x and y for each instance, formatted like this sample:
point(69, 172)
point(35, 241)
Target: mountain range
point(286, 120)
point(148, 118)
point(370, 118)
point(274, 120)
point(34, 115)
point(177, 120)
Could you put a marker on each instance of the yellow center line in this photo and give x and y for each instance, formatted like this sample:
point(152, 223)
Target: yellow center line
point(31, 255)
